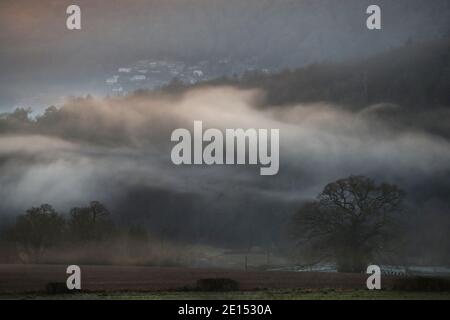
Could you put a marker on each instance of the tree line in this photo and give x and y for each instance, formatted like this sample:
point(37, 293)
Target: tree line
point(42, 227)
point(353, 222)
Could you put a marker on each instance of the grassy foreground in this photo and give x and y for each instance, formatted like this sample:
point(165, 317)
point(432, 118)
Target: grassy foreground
point(323, 294)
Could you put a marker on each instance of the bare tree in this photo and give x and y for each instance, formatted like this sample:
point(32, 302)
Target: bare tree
point(351, 221)
point(89, 223)
point(37, 230)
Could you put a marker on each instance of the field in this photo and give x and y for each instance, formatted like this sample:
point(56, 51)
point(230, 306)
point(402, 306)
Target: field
point(288, 294)
point(124, 282)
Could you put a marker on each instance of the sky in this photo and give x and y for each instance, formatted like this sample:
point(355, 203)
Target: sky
point(41, 62)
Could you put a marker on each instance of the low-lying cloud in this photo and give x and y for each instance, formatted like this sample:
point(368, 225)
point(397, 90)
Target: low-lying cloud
point(117, 150)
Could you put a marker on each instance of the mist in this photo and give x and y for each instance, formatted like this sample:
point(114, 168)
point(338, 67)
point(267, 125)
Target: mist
point(117, 150)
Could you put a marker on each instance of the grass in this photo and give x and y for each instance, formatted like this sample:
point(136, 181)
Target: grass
point(323, 294)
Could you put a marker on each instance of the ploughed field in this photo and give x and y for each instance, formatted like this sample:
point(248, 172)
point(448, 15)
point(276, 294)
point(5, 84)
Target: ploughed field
point(34, 278)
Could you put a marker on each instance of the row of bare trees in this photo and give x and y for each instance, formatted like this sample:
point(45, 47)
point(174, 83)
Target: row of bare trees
point(42, 228)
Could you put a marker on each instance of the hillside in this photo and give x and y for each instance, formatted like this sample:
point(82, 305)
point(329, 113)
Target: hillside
point(414, 75)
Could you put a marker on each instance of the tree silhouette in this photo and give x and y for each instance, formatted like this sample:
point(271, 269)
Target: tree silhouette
point(38, 229)
point(89, 223)
point(351, 221)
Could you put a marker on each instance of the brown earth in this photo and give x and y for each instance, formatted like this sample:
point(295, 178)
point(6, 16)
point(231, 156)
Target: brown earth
point(34, 278)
